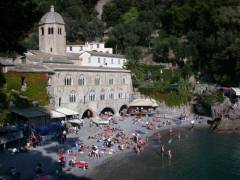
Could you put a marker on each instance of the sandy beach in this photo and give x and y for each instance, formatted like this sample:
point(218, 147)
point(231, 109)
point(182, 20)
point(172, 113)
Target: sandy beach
point(48, 155)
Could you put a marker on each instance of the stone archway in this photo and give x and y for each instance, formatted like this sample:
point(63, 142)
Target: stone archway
point(123, 109)
point(87, 114)
point(107, 110)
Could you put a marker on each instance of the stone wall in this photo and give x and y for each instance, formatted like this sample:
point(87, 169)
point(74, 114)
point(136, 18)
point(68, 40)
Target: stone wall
point(60, 93)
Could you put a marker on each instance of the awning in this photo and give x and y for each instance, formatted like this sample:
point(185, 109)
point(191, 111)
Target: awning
point(76, 121)
point(66, 111)
point(55, 114)
point(237, 91)
point(143, 102)
point(155, 105)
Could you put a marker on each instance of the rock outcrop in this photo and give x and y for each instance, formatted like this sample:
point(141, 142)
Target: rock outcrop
point(230, 121)
point(226, 117)
point(200, 108)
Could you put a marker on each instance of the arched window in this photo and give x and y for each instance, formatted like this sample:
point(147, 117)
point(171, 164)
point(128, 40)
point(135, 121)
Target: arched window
point(102, 95)
point(111, 94)
point(97, 81)
point(123, 80)
point(81, 80)
point(72, 97)
point(92, 96)
point(50, 30)
point(59, 102)
point(49, 81)
point(110, 81)
point(68, 81)
point(99, 60)
point(42, 31)
point(120, 94)
point(59, 30)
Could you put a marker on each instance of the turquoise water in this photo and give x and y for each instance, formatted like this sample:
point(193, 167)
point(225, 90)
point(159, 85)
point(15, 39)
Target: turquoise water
point(198, 155)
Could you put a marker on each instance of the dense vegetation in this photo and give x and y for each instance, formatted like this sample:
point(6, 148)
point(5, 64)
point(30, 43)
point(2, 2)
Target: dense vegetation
point(168, 85)
point(200, 36)
point(12, 95)
point(206, 32)
point(19, 20)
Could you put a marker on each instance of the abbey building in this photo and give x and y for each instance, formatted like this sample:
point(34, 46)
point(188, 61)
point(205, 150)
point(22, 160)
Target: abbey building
point(82, 78)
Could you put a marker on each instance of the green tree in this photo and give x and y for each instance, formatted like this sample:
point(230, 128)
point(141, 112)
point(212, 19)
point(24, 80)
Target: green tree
point(17, 18)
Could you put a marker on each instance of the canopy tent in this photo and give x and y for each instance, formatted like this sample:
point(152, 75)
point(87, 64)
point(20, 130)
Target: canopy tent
point(236, 91)
point(67, 112)
point(99, 121)
point(144, 103)
point(155, 105)
point(76, 121)
point(56, 115)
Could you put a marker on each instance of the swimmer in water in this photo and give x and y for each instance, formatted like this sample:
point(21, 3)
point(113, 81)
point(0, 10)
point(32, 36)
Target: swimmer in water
point(179, 136)
point(170, 154)
point(162, 149)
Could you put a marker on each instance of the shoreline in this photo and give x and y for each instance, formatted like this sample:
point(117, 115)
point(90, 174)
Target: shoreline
point(48, 152)
point(106, 159)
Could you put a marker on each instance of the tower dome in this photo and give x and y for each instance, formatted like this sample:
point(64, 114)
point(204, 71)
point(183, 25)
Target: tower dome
point(52, 17)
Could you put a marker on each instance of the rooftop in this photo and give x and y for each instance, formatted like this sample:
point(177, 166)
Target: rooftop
point(70, 67)
point(94, 53)
point(30, 112)
point(32, 68)
point(6, 62)
point(39, 56)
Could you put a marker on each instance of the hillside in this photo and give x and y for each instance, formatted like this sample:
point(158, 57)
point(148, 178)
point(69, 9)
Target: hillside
point(204, 32)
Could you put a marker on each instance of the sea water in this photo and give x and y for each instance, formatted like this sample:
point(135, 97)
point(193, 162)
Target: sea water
point(198, 154)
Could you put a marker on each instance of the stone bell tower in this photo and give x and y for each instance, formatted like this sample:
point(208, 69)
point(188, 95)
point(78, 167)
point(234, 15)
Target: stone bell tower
point(52, 34)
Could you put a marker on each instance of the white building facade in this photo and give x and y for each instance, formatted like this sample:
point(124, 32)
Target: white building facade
point(99, 47)
point(98, 59)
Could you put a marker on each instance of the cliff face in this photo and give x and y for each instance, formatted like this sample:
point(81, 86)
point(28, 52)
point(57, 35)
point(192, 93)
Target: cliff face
point(230, 121)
